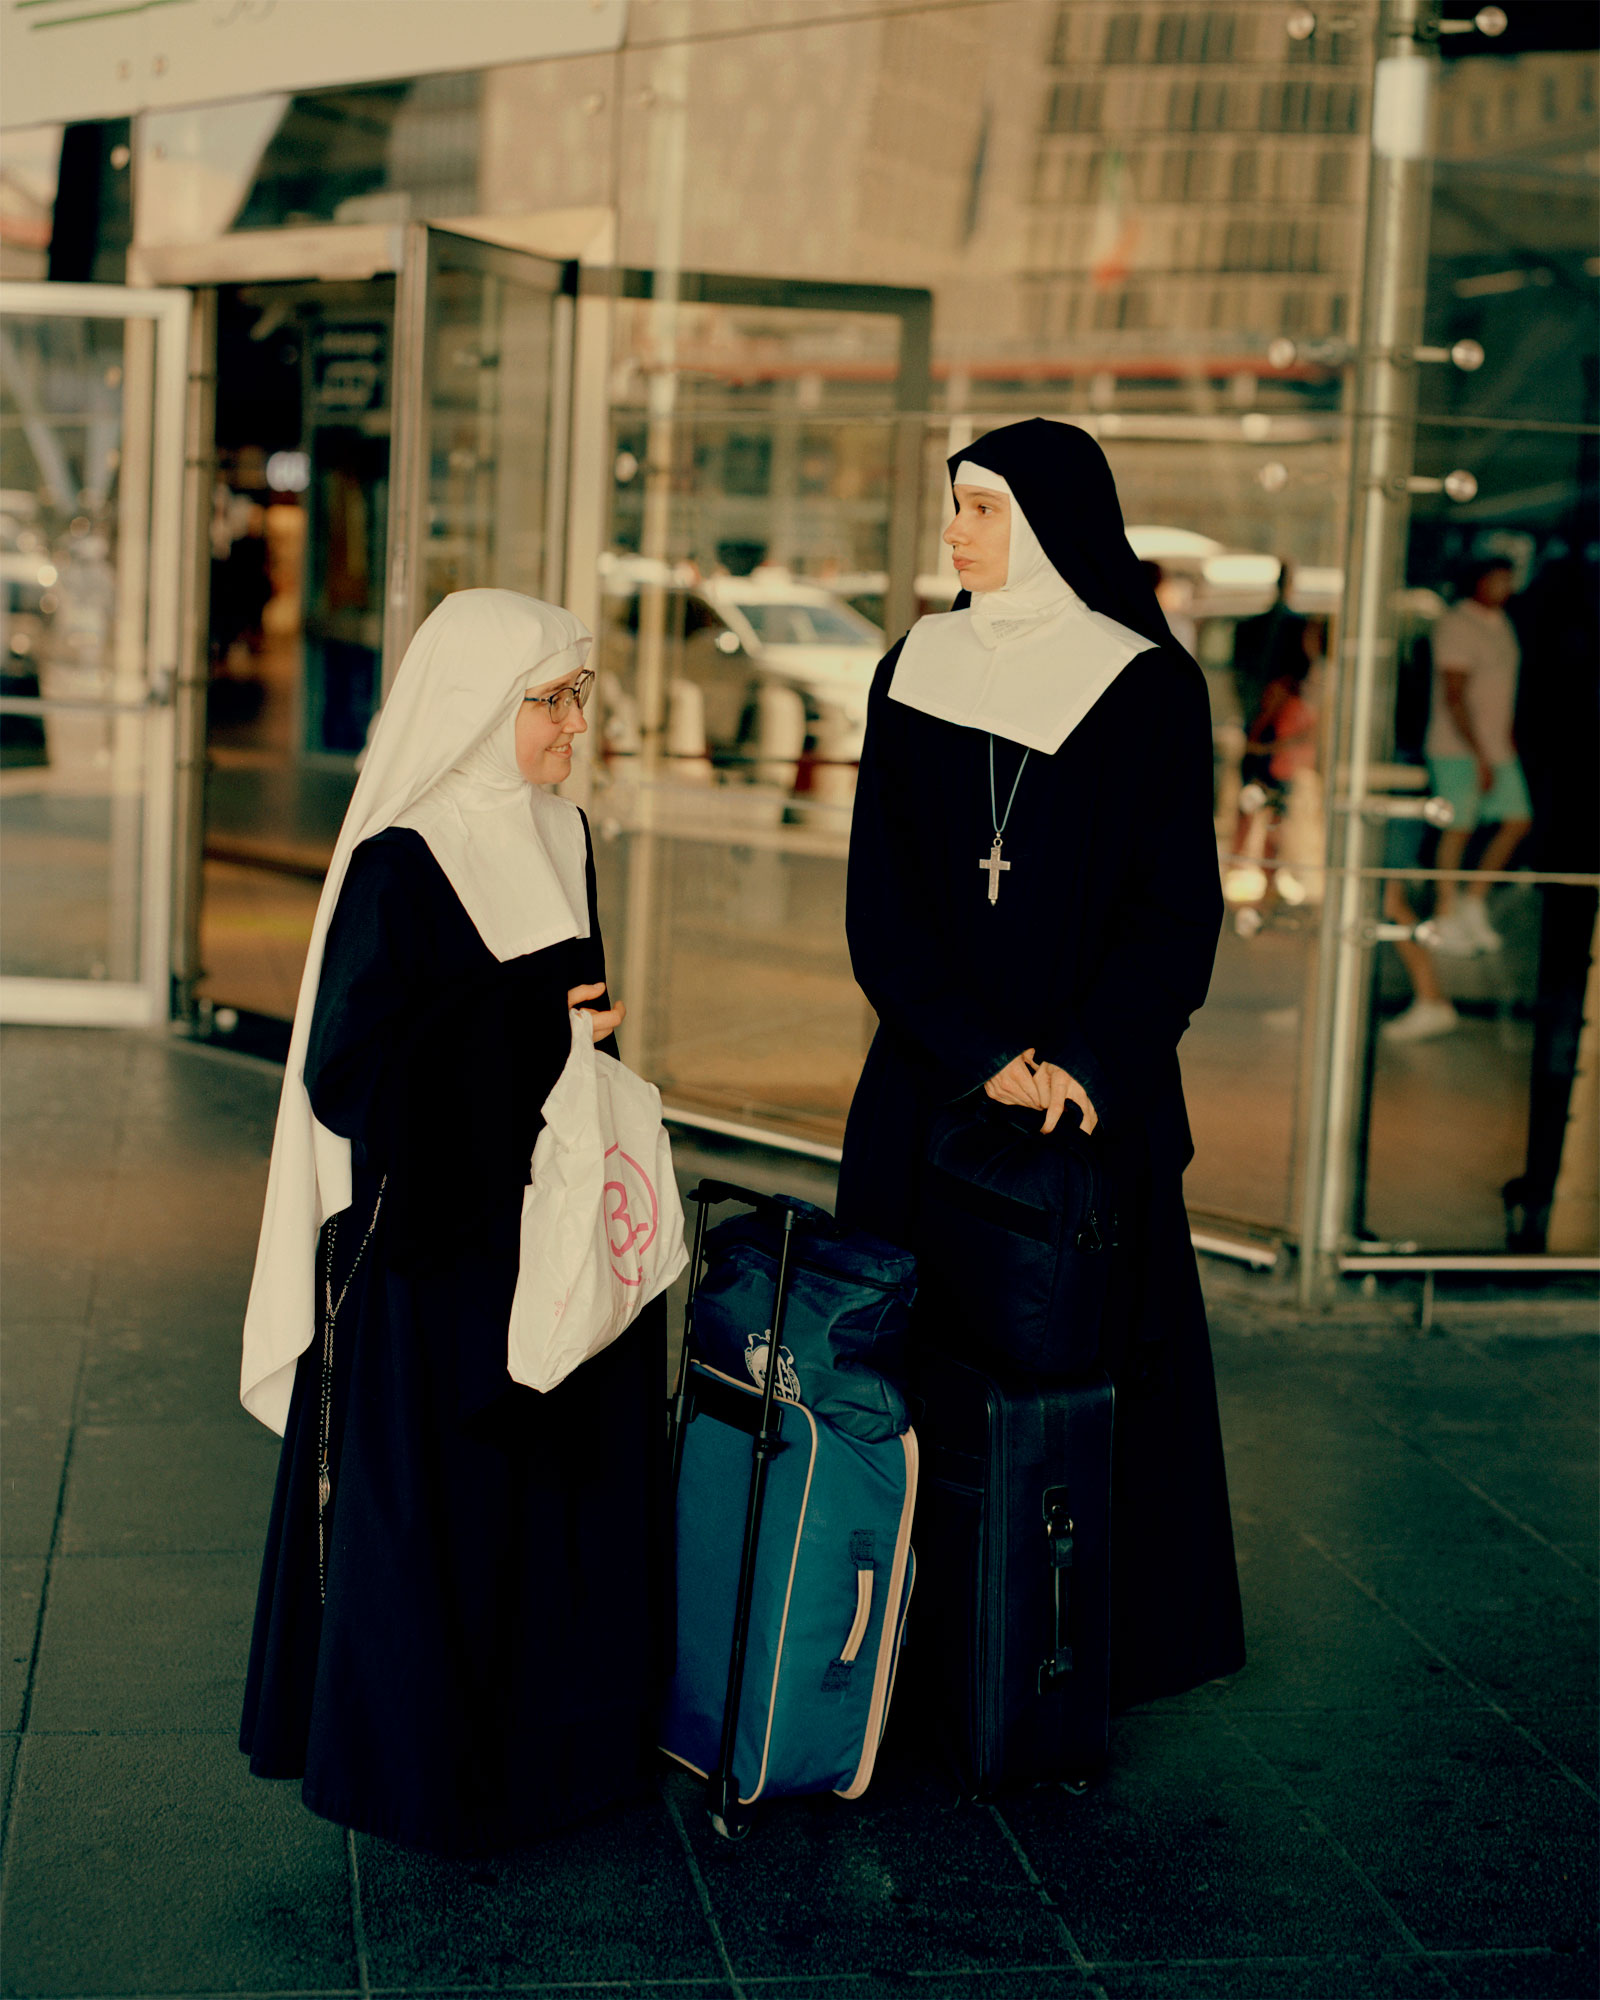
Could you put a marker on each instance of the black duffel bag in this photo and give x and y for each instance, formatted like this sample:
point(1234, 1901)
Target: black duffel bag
point(1015, 1234)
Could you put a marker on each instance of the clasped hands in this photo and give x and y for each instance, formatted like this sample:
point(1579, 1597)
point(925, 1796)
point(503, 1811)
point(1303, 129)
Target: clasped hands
point(1041, 1086)
point(602, 1023)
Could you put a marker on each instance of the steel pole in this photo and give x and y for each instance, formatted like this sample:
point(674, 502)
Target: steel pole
point(1382, 441)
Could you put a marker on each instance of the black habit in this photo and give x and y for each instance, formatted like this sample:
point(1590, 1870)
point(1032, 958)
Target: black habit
point(1097, 953)
point(487, 1662)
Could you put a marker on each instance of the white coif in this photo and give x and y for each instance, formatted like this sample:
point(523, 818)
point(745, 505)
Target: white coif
point(1027, 662)
point(440, 759)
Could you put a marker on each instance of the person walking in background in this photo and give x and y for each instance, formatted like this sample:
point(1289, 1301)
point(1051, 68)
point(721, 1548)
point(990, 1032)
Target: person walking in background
point(1266, 648)
point(1472, 753)
point(1281, 781)
point(458, 1635)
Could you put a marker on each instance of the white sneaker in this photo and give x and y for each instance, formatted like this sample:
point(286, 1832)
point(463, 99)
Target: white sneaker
point(1422, 1021)
point(1475, 910)
point(1455, 935)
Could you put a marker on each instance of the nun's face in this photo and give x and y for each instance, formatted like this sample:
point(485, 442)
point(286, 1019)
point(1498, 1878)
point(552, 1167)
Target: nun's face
point(979, 538)
point(544, 739)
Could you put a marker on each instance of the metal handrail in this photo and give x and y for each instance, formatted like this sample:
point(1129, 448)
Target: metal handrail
point(29, 704)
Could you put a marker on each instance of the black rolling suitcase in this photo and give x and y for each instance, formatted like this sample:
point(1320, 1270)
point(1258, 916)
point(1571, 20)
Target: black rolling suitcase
point(1011, 1640)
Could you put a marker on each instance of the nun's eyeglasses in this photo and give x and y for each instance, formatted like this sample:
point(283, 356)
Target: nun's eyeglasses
point(559, 701)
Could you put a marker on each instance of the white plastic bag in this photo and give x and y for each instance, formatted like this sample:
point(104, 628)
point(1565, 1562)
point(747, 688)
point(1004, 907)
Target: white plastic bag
point(602, 1225)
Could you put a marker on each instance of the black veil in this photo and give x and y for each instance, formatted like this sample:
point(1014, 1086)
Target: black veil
point(1063, 484)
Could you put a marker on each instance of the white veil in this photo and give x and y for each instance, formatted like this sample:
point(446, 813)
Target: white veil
point(462, 675)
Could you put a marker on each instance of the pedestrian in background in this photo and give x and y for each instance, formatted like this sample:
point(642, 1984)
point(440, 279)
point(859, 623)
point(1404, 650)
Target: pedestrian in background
point(1265, 649)
point(1062, 969)
point(1472, 752)
point(457, 1636)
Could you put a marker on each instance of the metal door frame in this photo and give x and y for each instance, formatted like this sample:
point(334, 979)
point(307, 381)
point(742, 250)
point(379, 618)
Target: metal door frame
point(145, 1001)
point(428, 248)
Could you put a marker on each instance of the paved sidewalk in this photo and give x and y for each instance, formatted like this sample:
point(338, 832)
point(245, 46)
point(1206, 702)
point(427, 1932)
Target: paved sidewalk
point(1397, 1797)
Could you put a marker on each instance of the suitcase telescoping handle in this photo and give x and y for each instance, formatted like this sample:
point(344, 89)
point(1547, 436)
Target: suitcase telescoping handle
point(706, 1195)
point(722, 1788)
point(722, 1792)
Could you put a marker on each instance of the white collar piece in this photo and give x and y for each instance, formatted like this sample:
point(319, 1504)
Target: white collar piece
point(1026, 662)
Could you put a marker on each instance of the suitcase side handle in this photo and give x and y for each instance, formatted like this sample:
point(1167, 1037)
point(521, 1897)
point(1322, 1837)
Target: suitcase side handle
point(1058, 1532)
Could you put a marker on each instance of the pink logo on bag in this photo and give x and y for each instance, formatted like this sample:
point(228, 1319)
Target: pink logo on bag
point(628, 1240)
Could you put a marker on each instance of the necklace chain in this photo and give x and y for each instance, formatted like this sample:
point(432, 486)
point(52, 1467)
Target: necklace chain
point(331, 1306)
point(998, 823)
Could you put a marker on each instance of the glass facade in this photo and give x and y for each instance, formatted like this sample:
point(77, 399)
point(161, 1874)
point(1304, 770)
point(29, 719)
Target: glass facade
point(72, 773)
point(824, 247)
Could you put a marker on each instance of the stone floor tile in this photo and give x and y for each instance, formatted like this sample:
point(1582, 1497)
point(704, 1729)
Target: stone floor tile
point(1354, 1491)
point(1518, 1619)
point(1315, 1641)
point(1474, 1839)
point(145, 1488)
point(61, 1073)
point(146, 1642)
point(1556, 1975)
point(46, 1287)
point(55, 1209)
point(21, 1583)
point(1542, 1480)
point(30, 1487)
point(39, 1370)
point(157, 1864)
point(161, 1371)
point(1190, 1849)
point(1565, 1369)
point(892, 1884)
point(1572, 1734)
point(610, 1900)
point(1267, 1978)
point(45, 1150)
point(1000, 1982)
point(128, 1290)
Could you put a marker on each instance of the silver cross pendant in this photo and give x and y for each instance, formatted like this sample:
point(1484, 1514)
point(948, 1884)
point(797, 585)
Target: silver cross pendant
point(994, 867)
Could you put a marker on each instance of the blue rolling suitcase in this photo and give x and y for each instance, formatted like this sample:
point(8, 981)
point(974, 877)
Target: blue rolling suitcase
point(794, 1567)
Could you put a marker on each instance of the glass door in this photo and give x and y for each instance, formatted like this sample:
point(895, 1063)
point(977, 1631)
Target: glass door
point(484, 342)
point(92, 394)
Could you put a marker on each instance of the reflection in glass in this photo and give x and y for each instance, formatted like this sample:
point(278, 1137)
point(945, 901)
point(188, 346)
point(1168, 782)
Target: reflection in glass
point(74, 468)
point(491, 351)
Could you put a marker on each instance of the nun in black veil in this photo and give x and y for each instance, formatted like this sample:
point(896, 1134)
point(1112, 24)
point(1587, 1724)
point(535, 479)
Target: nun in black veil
point(1033, 911)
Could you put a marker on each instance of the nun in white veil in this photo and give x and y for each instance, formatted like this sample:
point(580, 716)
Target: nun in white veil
point(457, 1639)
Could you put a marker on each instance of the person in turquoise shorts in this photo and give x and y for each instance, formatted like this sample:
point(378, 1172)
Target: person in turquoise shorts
point(1472, 753)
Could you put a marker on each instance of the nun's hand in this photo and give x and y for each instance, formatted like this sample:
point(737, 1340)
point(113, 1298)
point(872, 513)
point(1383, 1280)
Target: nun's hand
point(1060, 1089)
point(601, 1023)
point(1015, 1084)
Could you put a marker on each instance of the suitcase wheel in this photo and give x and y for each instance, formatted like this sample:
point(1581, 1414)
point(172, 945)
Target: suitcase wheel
point(734, 1829)
point(1075, 1787)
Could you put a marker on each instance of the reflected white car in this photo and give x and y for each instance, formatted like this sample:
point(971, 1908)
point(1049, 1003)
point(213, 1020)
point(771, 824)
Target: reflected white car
point(803, 637)
point(734, 637)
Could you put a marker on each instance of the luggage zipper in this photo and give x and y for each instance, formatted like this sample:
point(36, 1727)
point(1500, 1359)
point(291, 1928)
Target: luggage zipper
point(1089, 1236)
point(822, 1271)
